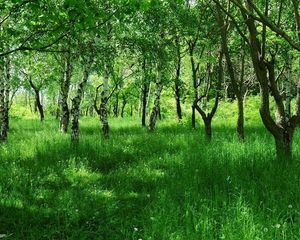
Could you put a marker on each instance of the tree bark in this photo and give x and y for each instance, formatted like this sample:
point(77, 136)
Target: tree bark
point(240, 120)
point(288, 89)
point(64, 93)
point(177, 88)
point(3, 129)
point(75, 110)
point(144, 89)
point(103, 105)
point(7, 92)
point(37, 99)
point(124, 102)
point(207, 127)
point(156, 107)
point(195, 68)
point(90, 109)
point(116, 106)
point(237, 88)
point(284, 147)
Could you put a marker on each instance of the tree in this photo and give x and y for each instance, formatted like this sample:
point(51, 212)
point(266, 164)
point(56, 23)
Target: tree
point(264, 63)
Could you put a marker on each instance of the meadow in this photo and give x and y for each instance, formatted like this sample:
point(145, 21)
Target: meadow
point(167, 185)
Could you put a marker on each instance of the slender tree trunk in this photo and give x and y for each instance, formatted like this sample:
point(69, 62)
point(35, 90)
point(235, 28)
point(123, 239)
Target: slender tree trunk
point(144, 103)
point(76, 107)
point(178, 103)
point(124, 102)
point(195, 68)
point(7, 92)
point(116, 106)
point(177, 88)
point(288, 89)
point(38, 104)
point(103, 105)
point(144, 93)
point(64, 93)
point(159, 112)
point(140, 101)
point(148, 98)
point(240, 120)
point(3, 129)
point(90, 105)
point(236, 87)
point(156, 107)
point(193, 117)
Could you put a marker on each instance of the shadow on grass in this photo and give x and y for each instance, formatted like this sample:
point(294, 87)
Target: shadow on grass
point(114, 188)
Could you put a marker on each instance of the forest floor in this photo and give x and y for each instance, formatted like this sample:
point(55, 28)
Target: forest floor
point(166, 185)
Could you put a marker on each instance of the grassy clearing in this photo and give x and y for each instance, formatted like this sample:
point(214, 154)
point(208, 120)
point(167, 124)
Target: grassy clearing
point(168, 185)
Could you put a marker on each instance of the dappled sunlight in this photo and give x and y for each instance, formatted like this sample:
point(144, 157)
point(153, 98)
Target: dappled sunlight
point(81, 176)
point(142, 185)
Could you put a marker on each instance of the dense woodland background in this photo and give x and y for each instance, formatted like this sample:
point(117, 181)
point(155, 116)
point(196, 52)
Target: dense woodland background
point(188, 113)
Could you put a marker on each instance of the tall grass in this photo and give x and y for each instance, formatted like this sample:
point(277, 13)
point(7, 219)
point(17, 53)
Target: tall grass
point(170, 184)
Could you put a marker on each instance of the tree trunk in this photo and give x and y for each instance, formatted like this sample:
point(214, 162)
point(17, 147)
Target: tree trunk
point(116, 106)
point(148, 98)
point(144, 92)
point(288, 88)
point(178, 104)
point(193, 117)
point(207, 128)
point(159, 112)
point(240, 120)
point(284, 148)
point(236, 86)
point(3, 129)
point(144, 103)
point(64, 93)
point(177, 88)
point(90, 105)
point(7, 93)
point(76, 108)
point(131, 110)
point(38, 104)
point(282, 128)
point(195, 68)
point(156, 107)
point(207, 117)
point(123, 106)
point(103, 105)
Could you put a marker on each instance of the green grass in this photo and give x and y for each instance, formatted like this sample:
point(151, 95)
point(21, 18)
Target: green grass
point(169, 185)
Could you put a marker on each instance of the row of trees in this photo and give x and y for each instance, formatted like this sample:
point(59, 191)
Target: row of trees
point(116, 52)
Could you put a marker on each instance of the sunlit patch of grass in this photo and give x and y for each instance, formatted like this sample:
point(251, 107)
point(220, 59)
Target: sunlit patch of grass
point(80, 175)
